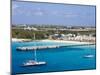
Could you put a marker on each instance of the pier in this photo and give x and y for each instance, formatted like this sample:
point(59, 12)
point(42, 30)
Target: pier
point(47, 47)
point(36, 47)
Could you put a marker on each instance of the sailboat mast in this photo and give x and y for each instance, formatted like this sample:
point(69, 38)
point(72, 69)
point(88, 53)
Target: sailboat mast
point(35, 51)
point(35, 55)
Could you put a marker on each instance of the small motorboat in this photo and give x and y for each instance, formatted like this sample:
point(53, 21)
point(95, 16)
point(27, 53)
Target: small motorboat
point(88, 56)
point(33, 63)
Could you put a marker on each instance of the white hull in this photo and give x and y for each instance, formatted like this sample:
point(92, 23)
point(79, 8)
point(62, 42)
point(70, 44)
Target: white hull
point(89, 56)
point(34, 63)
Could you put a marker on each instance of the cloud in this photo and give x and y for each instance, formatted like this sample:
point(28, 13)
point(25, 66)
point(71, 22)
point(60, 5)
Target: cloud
point(63, 14)
point(38, 13)
point(28, 12)
point(14, 6)
point(70, 15)
point(55, 12)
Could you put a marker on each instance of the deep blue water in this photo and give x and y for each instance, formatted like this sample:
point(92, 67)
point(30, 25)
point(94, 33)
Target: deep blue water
point(58, 59)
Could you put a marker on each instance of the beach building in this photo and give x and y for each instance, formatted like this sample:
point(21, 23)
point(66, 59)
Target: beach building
point(30, 28)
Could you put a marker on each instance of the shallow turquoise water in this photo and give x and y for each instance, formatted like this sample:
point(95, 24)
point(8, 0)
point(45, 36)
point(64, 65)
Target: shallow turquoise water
point(58, 59)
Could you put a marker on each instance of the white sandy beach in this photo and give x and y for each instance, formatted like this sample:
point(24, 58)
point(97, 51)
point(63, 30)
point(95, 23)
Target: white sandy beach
point(63, 41)
point(20, 40)
point(47, 40)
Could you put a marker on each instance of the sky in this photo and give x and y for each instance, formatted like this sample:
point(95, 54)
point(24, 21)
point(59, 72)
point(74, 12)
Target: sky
point(51, 13)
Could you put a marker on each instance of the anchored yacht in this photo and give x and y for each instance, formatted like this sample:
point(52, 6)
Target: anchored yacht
point(34, 62)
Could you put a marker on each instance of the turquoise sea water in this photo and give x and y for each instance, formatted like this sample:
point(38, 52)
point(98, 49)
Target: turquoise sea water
point(58, 59)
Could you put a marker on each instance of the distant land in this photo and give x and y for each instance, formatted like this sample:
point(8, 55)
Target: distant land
point(51, 25)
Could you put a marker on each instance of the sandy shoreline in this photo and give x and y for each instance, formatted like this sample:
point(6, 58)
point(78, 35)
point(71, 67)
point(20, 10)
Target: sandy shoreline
point(47, 40)
point(20, 40)
point(63, 41)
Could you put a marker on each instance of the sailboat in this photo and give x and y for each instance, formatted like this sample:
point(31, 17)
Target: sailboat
point(34, 62)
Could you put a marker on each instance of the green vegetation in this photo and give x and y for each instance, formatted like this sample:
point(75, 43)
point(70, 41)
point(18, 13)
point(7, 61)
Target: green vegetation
point(19, 33)
point(29, 34)
point(79, 32)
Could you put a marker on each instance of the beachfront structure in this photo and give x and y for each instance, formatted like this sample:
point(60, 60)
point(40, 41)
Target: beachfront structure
point(29, 28)
point(73, 37)
point(56, 36)
point(81, 38)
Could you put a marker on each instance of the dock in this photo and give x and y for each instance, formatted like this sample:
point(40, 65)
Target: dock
point(36, 47)
point(47, 47)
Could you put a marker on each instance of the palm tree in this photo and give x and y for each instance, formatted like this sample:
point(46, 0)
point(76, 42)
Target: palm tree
point(17, 34)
